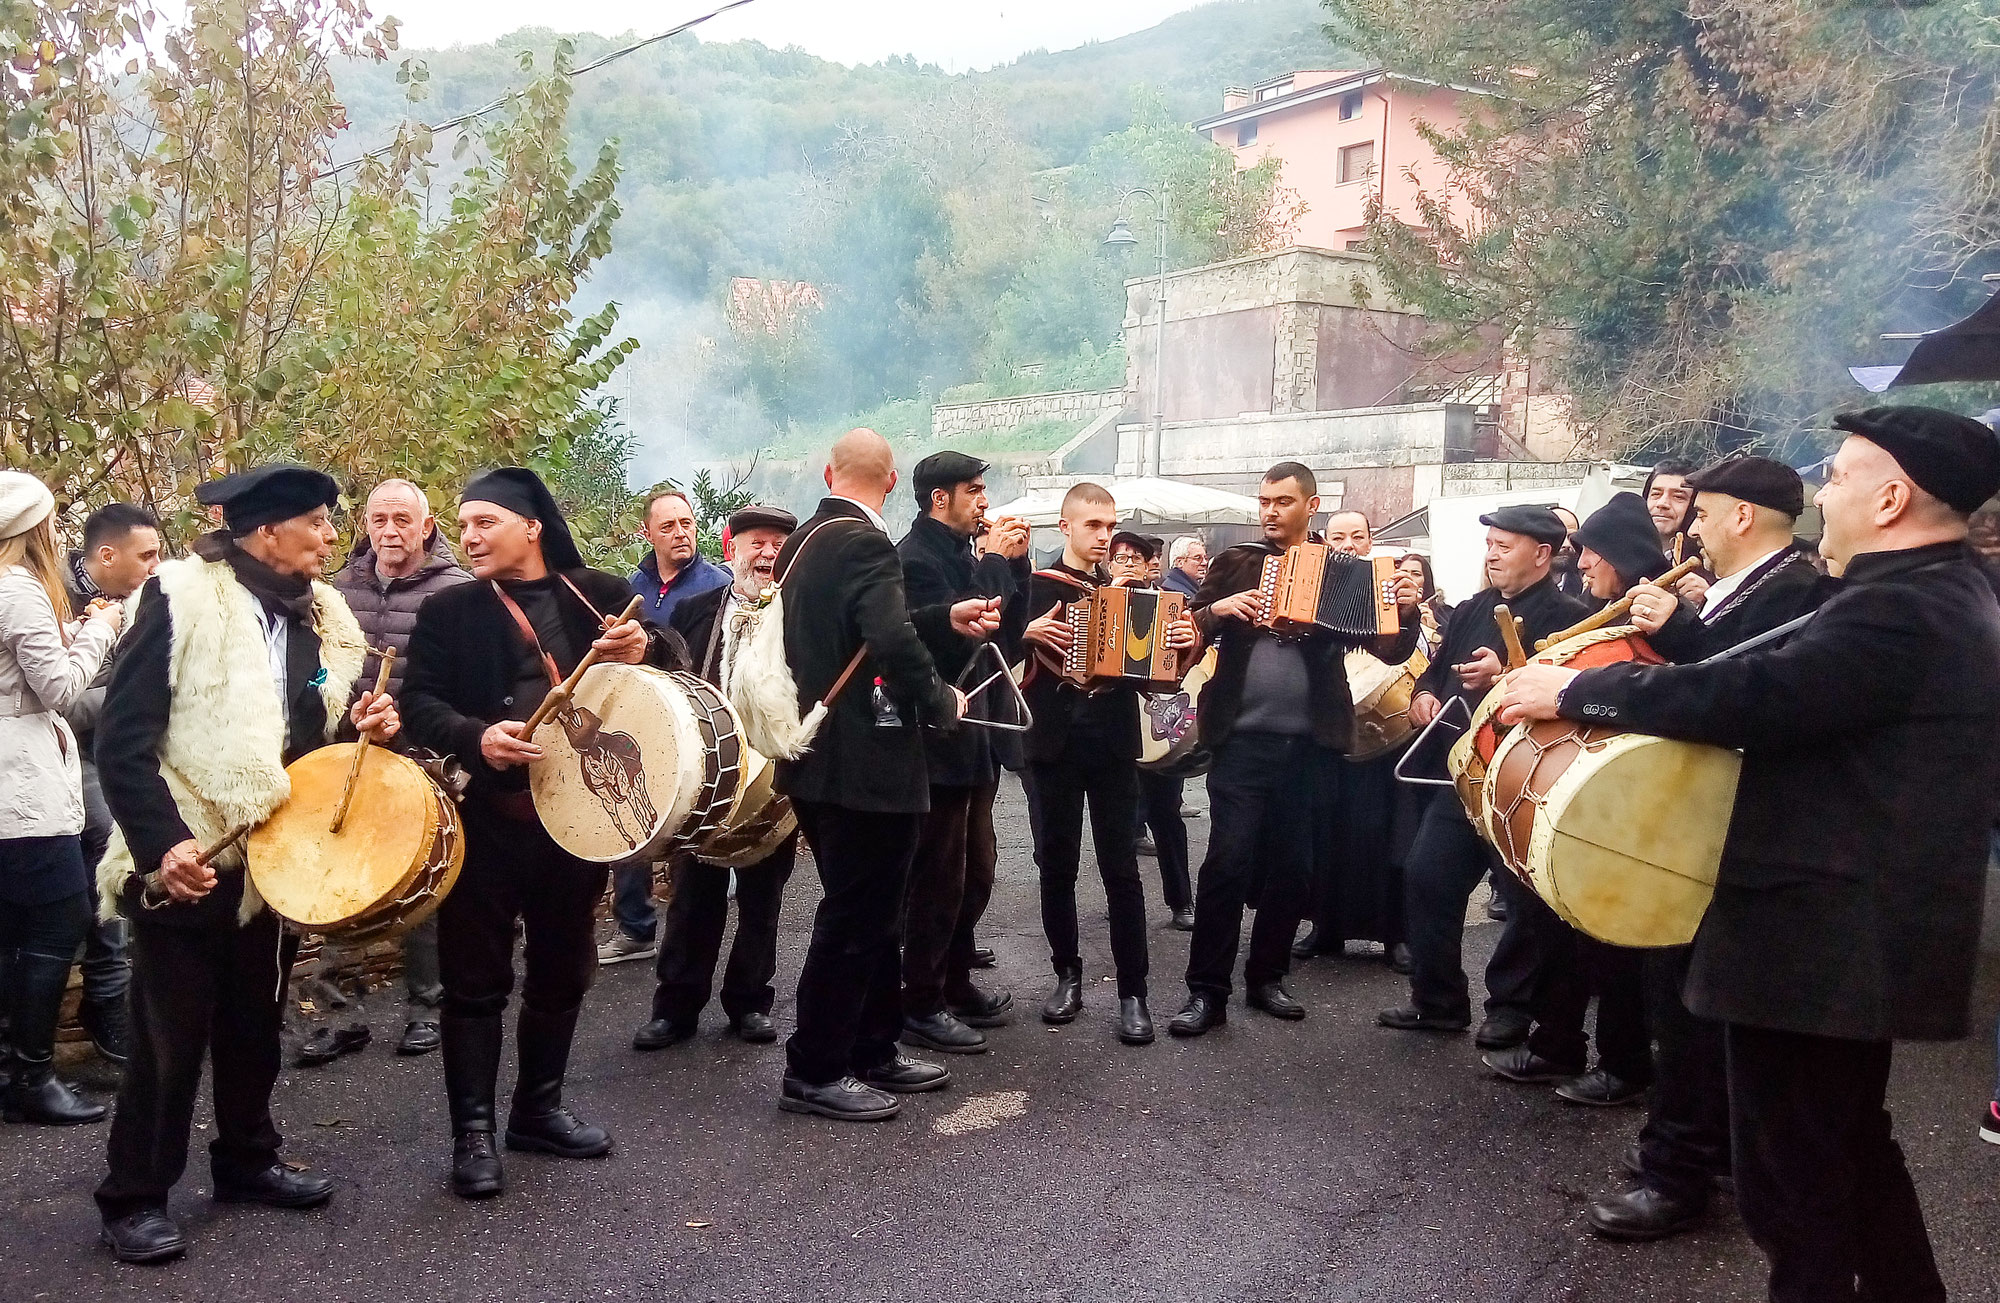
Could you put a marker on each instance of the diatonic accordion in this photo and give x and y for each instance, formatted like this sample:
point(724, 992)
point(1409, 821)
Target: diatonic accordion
point(1312, 586)
point(1119, 635)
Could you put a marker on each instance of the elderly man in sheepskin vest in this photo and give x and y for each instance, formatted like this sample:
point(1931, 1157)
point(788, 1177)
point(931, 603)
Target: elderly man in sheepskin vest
point(238, 662)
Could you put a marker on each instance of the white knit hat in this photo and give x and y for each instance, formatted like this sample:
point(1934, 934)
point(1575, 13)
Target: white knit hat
point(25, 502)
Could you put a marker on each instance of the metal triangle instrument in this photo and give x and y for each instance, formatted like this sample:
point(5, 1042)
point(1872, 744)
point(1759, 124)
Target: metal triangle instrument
point(987, 651)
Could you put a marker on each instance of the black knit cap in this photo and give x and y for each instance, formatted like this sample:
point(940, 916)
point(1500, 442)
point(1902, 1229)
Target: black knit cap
point(1538, 523)
point(1756, 480)
point(943, 470)
point(1953, 458)
point(1622, 532)
point(268, 494)
point(522, 492)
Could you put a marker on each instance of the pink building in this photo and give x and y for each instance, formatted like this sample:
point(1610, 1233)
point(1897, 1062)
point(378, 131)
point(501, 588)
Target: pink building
point(1345, 138)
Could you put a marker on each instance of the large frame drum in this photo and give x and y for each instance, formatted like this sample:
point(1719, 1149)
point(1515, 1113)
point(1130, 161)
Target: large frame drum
point(391, 864)
point(757, 822)
point(1382, 693)
point(636, 764)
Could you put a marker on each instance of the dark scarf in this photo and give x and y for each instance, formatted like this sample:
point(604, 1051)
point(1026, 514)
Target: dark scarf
point(291, 594)
point(81, 574)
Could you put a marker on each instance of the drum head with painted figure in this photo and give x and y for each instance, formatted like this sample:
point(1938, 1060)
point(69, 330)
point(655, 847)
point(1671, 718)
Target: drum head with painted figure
point(622, 764)
point(320, 879)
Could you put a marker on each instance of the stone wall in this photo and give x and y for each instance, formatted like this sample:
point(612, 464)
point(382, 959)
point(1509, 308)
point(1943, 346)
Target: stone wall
point(1464, 479)
point(1234, 454)
point(955, 420)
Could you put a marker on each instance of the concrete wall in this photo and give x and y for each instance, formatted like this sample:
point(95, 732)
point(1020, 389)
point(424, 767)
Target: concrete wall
point(953, 420)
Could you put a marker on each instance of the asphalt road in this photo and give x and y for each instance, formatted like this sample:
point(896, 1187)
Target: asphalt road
point(1326, 1160)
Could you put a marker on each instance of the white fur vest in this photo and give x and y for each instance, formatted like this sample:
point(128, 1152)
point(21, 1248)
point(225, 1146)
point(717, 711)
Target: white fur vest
point(222, 755)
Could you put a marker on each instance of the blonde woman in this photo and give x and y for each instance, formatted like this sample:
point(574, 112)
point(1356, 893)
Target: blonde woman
point(46, 662)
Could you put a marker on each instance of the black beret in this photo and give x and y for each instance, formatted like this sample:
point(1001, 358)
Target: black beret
point(1953, 458)
point(1759, 480)
point(1622, 532)
point(761, 517)
point(944, 470)
point(268, 494)
point(522, 492)
point(1538, 523)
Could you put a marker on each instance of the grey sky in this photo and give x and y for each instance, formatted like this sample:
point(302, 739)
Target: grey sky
point(956, 34)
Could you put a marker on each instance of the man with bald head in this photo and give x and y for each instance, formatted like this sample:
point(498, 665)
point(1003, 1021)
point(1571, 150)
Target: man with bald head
point(398, 561)
point(862, 789)
point(1847, 908)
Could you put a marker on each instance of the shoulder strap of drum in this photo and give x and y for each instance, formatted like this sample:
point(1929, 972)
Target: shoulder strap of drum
point(528, 630)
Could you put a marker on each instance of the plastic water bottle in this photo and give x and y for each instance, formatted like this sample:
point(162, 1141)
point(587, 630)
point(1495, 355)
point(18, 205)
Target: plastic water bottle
point(885, 708)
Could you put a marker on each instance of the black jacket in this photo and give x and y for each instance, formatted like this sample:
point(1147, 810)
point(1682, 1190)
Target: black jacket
point(1332, 705)
point(1786, 586)
point(939, 570)
point(845, 590)
point(465, 654)
point(1542, 608)
point(1853, 877)
point(1110, 714)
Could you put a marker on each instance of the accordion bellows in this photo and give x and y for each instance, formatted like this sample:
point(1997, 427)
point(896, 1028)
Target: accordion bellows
point(1119, 635)
point(1312, 586)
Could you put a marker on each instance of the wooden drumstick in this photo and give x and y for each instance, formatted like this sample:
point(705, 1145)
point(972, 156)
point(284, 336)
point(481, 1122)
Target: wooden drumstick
point(1617, 610)
point(153, 886)
point(1510, 633)
point(561, 692)
point(388, 655)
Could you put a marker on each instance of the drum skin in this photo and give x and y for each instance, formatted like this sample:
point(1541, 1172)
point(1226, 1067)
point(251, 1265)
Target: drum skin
point(1169, 729)
point(1620, 833)
point(396, 855)
point(627, 770)
point(758, 821)
point(1382, 695)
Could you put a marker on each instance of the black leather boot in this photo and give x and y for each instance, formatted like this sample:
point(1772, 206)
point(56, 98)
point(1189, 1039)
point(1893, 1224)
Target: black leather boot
point(471, 1074)
point(34, 1094)
point(1066, 1001)
point(1135, 1021)
point(538, 1121)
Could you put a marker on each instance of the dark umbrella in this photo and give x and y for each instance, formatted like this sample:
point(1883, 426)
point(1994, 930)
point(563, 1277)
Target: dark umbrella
point(1964, 350)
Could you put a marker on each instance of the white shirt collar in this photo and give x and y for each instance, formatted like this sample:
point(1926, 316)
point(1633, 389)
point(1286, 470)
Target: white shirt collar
point(874, 516)
point(1722, 590)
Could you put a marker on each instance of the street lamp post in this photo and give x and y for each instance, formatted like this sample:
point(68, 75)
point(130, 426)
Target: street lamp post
point(1121, 237)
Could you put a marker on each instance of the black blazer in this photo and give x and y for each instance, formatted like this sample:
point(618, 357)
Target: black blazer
point(1786, 587)
point(846, 589)
point(464, 655)
point(1853, 877)
point(939, 571)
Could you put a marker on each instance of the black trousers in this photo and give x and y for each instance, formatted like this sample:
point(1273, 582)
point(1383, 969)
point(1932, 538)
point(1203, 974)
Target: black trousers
point(1573, 968)
point(198, 992)
point(1111, 787)
point(850, 988)
point(951, 882)
point(1685, 1141)
point(1259, 854)
point(1357, 890)
point(1160, 809)
point(691, 939)
point(514, 870)
point(1446, 862)
point(1820, 1180)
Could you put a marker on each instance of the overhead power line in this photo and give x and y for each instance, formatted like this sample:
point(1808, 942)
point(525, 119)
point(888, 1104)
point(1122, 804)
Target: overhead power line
point(451, 124)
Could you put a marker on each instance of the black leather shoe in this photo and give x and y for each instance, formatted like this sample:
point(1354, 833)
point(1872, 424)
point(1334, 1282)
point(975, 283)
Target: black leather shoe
point(942, 1032)
point(977, 1008)
point(475, 1166)
point(755, 1027)
point(1497, 1032)
point(1409, 1018)
point(560, 1133)
point(37, 1095)
point(1066, 1001)
point(277, 1186)
point(148, 1235)
point(1135, 1021)
point(1183, 919)
point(1642, 1213)
point(1307, 946)
point(903, 1075)
point(1274, 999)
point(329, 1043)
point(660, 1033)
point(1201, 1013)
point(1602, 1089)
point(1496, 908)
point(109, 1027)
point(1524, 1065)
point(845, 1100)
point(1399, 959)
point(419, 1037)
point(982, 957)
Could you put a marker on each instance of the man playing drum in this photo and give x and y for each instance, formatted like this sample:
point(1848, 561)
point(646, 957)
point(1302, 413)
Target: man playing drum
point(238, 662)
point(699, 909)
point(1846, 913)
point(482, 658)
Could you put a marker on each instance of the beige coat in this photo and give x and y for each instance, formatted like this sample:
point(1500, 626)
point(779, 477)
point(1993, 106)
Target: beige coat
point(41, 775)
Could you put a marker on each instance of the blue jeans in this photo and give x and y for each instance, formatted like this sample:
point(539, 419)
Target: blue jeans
point(632, 901)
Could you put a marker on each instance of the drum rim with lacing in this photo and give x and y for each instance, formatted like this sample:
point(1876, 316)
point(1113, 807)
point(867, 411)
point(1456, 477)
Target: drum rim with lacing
point(737, 845)
point(1407, 671)
point(425, 893)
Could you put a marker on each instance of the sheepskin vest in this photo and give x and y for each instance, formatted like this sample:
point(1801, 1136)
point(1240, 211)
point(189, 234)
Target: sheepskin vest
point(222, 755)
